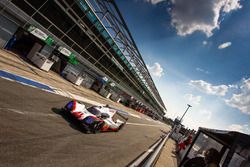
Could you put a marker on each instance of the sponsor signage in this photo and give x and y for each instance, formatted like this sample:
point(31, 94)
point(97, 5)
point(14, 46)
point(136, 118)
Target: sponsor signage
point(49, 41)
point(69, 54)
point(112, 84)
point(72, 59)
point(40, 34)
point(64, 51)
point(105, 79)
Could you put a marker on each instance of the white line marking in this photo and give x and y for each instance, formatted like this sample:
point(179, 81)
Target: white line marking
point(14, 110)
point(41, 114)
point(29, 112)
point(12, 80)
point(25, 78)
point(7, 79)
point(139, 124)
point(148, 119)
point(55, 115)
point(85, 100)
point(134, 115)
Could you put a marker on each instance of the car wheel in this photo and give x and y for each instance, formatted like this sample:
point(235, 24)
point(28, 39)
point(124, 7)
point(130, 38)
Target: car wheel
point(121, 126)
point(97, 127)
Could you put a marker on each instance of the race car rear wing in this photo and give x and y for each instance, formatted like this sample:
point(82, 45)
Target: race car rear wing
point(119, 112)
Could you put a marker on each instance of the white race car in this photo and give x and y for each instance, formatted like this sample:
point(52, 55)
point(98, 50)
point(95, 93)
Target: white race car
point(96, 118)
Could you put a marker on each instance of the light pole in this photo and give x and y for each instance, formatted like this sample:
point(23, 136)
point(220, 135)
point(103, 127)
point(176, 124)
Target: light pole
point(175, 126)
point(185, 112)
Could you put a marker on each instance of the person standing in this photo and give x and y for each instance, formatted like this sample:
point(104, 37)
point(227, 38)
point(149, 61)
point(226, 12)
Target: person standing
point(182, 145)
point(212, 158)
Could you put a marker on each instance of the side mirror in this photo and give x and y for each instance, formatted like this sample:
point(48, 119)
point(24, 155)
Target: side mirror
point(104, 116)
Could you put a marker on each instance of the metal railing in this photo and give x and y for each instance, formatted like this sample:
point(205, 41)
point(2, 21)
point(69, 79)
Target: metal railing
point(150, 157)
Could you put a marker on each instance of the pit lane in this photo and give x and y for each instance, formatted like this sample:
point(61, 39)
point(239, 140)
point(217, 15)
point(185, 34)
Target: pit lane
point(34, 133)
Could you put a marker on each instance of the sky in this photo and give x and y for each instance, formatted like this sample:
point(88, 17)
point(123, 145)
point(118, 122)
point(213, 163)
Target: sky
point(198, 53)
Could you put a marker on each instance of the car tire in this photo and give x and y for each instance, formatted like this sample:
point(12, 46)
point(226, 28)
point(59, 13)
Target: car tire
point(97, 127)
point(121, 126)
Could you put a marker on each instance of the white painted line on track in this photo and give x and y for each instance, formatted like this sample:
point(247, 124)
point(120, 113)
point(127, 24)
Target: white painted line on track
point(148, 119)
point(55, 115)
point(14, 110)
point(12, 80)
point(29, 112)
point(139, 124)
point(7, 79)
point(80, 98)
point(41, 114)
point(134, 115)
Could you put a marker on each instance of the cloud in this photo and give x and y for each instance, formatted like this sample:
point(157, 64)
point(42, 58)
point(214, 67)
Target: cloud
point(206, 114)
point(156, 70)
point(188, 16)
point(239, 128)
point(232, 5)
point(224, 45)
point(233, 86)
point(241, 101)
point(219, 90)
point(204, 42)
point(154, 2)
point(193, 99)
point(202, 70)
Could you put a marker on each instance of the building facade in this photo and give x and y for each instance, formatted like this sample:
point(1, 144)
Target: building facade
point(79, 29)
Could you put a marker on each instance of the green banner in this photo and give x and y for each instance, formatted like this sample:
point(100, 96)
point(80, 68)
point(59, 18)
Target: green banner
point(40, 34)
point(72, 59)
point(49, 41)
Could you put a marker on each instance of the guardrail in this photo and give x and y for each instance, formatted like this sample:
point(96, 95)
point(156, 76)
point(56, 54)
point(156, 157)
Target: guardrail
point(150, 157)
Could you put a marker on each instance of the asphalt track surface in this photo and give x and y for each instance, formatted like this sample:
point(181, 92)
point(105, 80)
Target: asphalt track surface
point(33, 132)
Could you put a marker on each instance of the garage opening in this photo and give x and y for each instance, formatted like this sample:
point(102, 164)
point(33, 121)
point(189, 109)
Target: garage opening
point(22, 42)
point(59, 66)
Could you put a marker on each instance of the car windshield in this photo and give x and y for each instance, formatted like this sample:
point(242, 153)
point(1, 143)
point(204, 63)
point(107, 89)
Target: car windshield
point(94, 111)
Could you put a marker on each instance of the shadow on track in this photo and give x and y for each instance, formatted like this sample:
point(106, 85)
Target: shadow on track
point(73, 123)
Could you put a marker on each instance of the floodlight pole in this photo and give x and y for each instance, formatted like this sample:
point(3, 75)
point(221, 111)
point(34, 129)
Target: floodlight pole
point(185, 112)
